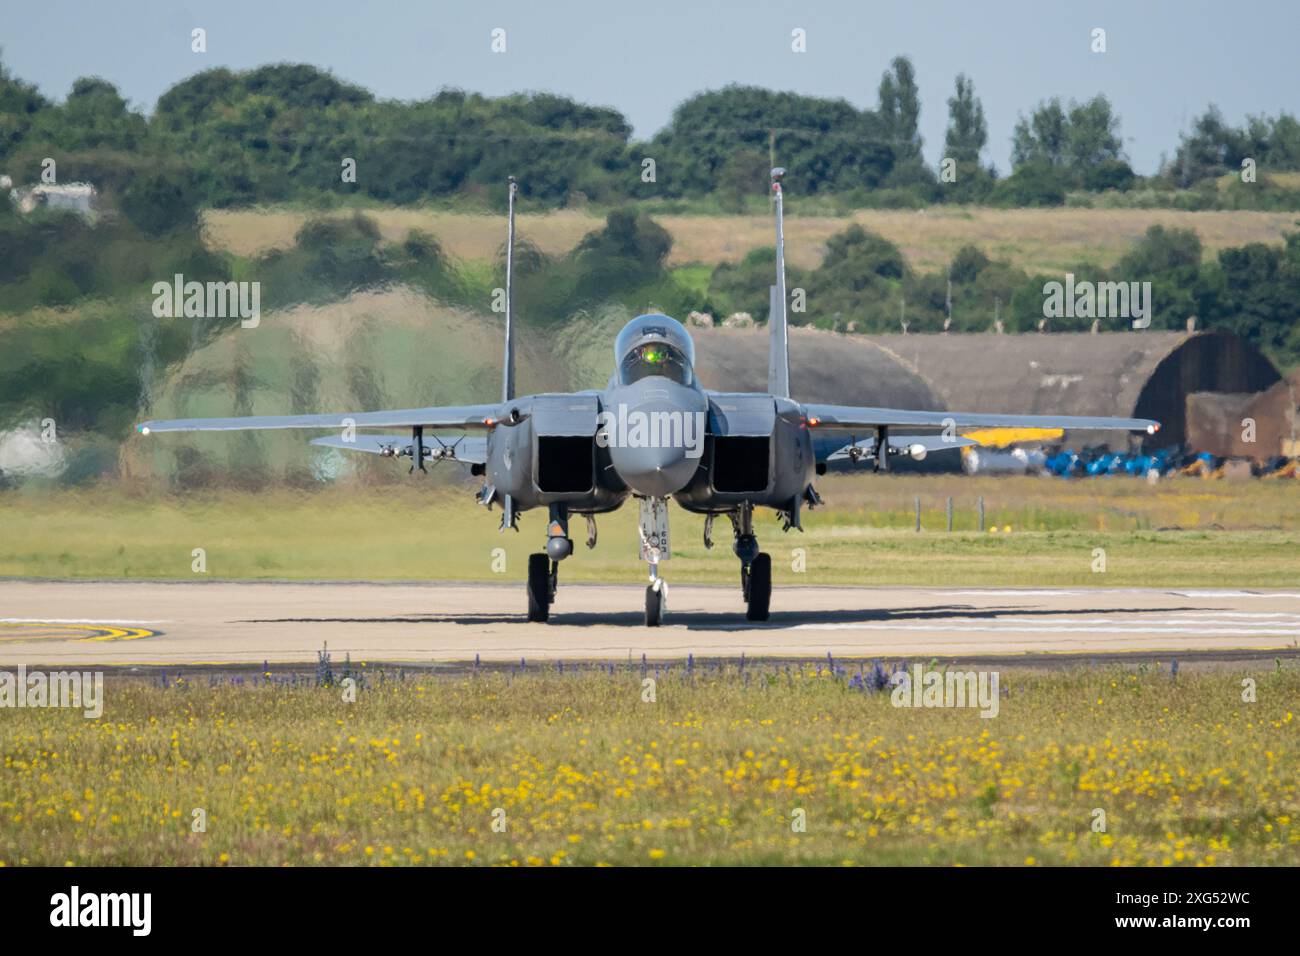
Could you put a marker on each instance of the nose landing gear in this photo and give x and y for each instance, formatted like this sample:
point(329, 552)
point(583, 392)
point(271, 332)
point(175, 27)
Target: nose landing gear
point(656, 599)
point(655, 548)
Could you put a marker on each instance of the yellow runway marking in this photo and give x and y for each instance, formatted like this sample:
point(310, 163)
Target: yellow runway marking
point(61, 631)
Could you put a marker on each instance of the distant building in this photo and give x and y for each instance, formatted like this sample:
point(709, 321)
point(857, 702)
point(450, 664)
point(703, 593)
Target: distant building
point(1260, 425)
point(1137, 374)
point(81, 198)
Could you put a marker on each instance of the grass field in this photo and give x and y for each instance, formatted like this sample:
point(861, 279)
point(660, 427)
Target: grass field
point(1045, 240)
point(579, 768)
point(1182, 533)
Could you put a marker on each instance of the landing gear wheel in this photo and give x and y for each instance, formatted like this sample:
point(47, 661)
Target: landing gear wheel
point(758, 592)
point(654, 606)
point(539, 587)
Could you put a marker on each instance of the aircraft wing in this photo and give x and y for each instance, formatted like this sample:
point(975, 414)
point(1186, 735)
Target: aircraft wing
point(446, 416)
point(850, 417)
point(470, 451)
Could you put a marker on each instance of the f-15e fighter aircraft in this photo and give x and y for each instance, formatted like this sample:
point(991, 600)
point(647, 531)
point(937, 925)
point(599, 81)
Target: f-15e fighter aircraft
point(653, 433)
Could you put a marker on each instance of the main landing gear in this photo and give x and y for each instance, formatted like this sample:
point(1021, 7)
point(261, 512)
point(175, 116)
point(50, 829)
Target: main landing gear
point(543, 576)
point(755, 565)
point(544, 567)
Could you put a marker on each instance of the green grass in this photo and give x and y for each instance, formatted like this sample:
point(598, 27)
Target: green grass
point(581, 769)
point(694, 278)
point(585, 772)
point(1183, 533)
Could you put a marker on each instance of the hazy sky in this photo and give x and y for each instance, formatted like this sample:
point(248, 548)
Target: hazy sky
point(1164, 63)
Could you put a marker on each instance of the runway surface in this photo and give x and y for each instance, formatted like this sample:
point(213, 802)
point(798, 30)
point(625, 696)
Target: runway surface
point(106, 623)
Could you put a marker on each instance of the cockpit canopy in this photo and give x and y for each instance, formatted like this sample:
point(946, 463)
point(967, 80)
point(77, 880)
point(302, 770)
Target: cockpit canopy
point(654, 344)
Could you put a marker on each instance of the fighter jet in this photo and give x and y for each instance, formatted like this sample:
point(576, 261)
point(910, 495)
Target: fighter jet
point(653, 433)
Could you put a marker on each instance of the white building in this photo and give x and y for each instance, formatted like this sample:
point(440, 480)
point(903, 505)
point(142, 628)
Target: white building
point(81, 198)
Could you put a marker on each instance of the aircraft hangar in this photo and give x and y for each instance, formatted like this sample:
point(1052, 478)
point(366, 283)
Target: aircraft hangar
point(1140, 374)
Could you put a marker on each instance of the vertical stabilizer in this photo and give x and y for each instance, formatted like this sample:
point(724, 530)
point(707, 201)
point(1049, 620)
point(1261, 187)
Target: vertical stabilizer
point(778, 359)
point(508, 370)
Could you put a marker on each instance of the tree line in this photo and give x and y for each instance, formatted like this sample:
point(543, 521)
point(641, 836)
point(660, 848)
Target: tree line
point(287, 132)
point(865, 284)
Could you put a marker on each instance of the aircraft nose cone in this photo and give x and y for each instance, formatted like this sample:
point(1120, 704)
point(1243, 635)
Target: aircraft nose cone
point(657, 472)
point(655, 434)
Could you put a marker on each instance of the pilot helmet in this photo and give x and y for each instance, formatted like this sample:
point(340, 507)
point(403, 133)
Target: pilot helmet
point(651, 340)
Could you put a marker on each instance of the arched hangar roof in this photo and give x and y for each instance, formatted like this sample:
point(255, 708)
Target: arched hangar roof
point(824, 367)
point(1139, 373)
point(1143, 374)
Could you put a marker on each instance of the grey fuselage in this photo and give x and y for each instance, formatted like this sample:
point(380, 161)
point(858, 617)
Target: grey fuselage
point(709, 451)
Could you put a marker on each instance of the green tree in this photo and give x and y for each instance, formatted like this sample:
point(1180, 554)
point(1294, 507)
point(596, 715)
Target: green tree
point(160, 199)
point(1213, 148)
point(1252, 290)
point(900, 108)
point(967, 265)
point(967, 133)
point(1042, 138)
point(1082, 144)
point(964, 141)
point(743, 286)
point(1035, 183)
point(860, 281)
point(1170, 259)
point(629, 251)
point(742, 176)
point(19, 105)
point(827, 145)
point(1092, 134)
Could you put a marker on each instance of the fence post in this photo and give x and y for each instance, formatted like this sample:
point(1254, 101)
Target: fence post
point(918, 512)
point(981, 512)
point(950, 514)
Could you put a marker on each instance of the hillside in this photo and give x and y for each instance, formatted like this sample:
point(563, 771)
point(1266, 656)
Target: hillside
point(1036, 240)
point(387, 349)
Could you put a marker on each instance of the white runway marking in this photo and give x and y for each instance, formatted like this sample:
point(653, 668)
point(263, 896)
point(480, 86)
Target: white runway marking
point(77, 620)
point(1066, 592)
point(1247, 615)
point(1236, 594)
point(1186, 623)
point(1081, 628)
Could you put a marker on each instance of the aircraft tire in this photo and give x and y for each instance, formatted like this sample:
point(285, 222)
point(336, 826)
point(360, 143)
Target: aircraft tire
point(654, 606)
point(759, 595)
point(539, 587)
